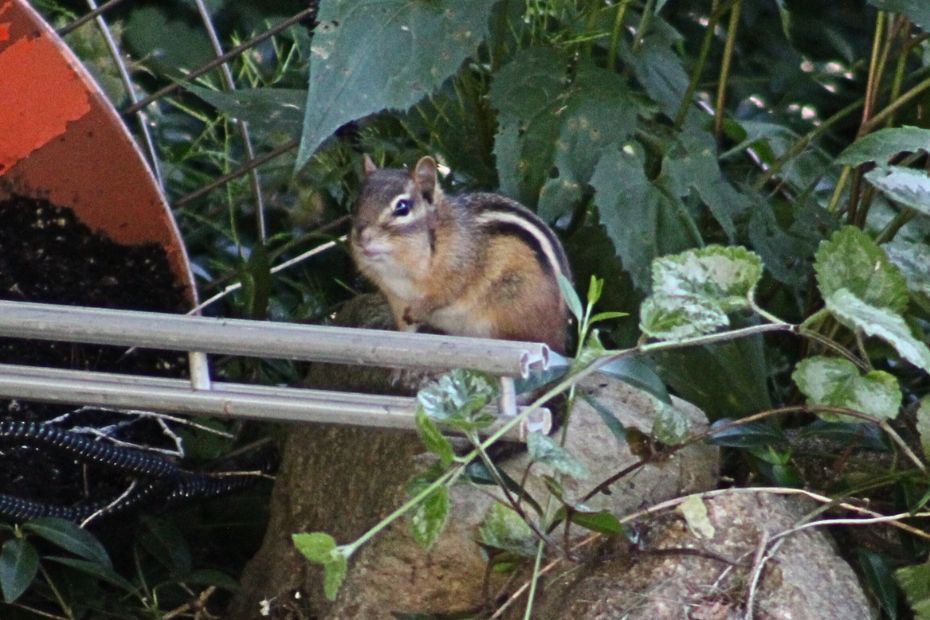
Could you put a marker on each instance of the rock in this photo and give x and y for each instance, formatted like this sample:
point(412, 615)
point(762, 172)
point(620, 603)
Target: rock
point(675, 573)
point(344, 480)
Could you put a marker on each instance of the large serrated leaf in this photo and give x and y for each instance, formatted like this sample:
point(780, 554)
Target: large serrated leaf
point(266, 110)
point(850, 259)
point(658, 68)
point(918, 11)
point(884, 144)
point(371, 55)
point(837, 383)
point(698, 170)
point(641, 220)
point(726, 276)
point(525, 92)
point(19, 563)
point(881, 323)
point(552, 132)
point(905, 185)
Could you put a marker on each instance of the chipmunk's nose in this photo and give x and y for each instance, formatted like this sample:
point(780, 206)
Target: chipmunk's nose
point(362, 233)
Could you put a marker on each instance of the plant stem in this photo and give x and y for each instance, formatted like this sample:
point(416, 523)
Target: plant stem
point(833, 205)
point(896, 105)
point(903, 217)
point(528, 614)
point(798, 147)
point(615, 34)
point(874, 78)
point(698, 66)
point(725, 69)
point(644, 23)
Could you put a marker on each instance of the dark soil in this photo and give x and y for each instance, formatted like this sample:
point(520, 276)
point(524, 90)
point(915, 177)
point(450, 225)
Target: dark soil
point(47, 255)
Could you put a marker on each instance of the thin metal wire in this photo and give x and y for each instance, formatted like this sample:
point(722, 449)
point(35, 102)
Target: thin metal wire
point(230, 84)
point(117, 56)
point(238, 172)
point(83, 19)
point(216, 62)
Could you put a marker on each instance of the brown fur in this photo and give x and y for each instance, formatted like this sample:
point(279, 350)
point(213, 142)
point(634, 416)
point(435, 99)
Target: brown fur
point(443, 264)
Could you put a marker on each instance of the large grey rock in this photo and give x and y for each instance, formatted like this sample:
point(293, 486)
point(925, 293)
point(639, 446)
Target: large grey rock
point(675, 573)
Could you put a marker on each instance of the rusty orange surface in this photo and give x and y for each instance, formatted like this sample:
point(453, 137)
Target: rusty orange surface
point(61, 139)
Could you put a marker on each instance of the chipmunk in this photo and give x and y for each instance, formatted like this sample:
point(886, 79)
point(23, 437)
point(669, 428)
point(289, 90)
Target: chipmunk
point(471, 265)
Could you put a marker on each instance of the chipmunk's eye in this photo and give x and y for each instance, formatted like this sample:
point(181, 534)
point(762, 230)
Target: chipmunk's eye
point(402, 207)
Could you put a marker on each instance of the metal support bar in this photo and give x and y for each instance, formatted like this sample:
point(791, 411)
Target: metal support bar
point(225, 399)
point(269, 339)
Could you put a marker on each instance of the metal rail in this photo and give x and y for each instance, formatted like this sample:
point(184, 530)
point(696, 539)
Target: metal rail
point(269, 339)
point(224, 399)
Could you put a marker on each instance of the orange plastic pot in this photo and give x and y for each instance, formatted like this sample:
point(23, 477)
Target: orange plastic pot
point(61, 140)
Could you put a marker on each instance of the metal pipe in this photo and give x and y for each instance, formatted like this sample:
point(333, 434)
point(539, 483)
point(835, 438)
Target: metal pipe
point(269, 339)
point(225, 400)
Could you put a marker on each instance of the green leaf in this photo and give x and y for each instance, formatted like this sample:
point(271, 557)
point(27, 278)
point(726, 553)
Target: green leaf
point(171, 46)
point(751, 435)
point(602, 522)
point(918, 11)
point(545, 450)
point(657, 67)
point(638, 374)
point(165, 542)
point(552, 131)
point(679, 318)
point(95, 569)
point(725, 276)
point(595, 290)
point(905, 185)
point(879, 577)
point(836, 382)
point(371, 55)
point(607, 316)
point(699, 171)
point(524, 92)
point(913, 261)
point(271, 111)
point(457, 400)
point(430, 516)
point(19, 564)
point(923, 424)
point(434, 440)
point(915, 581)
point(318, 547)
point(321, 548)
point(671, 426)
point(881, 323)
point(211, 577)
point(607, 416)
point(850, 259)
point(641, 220)
point(69, 537)
point(884, 144)
point(334, 573)
point(695, 513)
point(570, 296)
point(504, 529)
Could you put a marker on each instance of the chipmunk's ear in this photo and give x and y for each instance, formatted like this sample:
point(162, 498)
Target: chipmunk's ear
point(368, 165)
point(424, 175)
